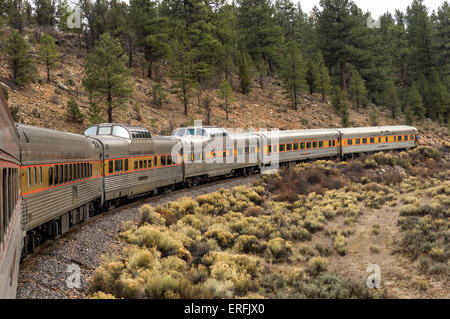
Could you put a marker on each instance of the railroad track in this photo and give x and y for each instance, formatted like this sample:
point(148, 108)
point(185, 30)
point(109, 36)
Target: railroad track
point(43, 273)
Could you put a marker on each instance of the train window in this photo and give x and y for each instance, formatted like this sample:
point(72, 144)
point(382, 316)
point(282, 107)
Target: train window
point(66, 175)
point(379, 140)
point(141, 164)
point(314, 144)
point(411, 137)
point(119, 166)
point(110, 167)
point(364, 140)
point(35, 175)
point(145, 163)
point(169, 159)
point(5, 199)
point(289, 147)
point(29, 176)
point(269, 149)
point(120, 132)
point(395, 138)
point(56, 171)
point(60, 174)
point(150, 163)
point(126, 165)
point(399, 138)
point(135, 164)
point(320, 143)
point(302, 146)
point(308, 144)
point(295, 146)
point(405, 137)
point(163, 160)
point(106, 130)
point(70, 172)
point(349, 141)
point(282, 147)
point(90, 169)
point(372, 140)
point(50, 176)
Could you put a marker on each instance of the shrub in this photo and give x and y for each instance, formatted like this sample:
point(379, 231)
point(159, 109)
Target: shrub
point(223, 237)
point(316, 265)
point(438, 254)
point(249, 244)
point(340, 244)
point(148, 215)
point(374, 249)
point(73, 112)
point(160, 286)
point(279, 249)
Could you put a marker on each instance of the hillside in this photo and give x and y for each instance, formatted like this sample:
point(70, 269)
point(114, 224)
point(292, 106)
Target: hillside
point(44, 104)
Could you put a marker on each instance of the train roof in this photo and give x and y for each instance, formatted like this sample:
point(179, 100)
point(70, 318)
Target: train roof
point(299, 133)
point(118, 130)
point(9, 140)
point(377, 129)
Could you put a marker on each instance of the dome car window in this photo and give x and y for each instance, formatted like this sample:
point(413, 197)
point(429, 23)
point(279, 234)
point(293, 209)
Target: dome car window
point(106, 130)
point(90, 131)
point(120, 132)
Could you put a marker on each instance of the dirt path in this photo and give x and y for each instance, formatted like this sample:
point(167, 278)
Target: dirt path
point(398, 274)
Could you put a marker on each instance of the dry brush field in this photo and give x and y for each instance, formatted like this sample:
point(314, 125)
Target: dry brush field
point(309, 231)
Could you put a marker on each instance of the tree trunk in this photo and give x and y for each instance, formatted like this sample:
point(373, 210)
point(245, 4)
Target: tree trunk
point(48, 71)
point(343, 83)
point(110, 117)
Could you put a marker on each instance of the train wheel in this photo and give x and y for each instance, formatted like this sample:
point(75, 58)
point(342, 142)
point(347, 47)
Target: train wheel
point(189, 183)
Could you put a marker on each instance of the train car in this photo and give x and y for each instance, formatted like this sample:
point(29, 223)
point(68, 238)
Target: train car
point(61, 178)
point(296, 145)
point(210, 151)
point(135, 162)
point(10, 203)
point(380, 138)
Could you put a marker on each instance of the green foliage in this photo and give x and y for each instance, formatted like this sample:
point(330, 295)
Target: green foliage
point(244, 74)
point(357, 89)
point(19, 59)
point(95, 114)
point(226, 94)
point(106, 74)
point(48, 53)
point(293, 71)
point(73, 112)
point(373, 118)
point(322, 80)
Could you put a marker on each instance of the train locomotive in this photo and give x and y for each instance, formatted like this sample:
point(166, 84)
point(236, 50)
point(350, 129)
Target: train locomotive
point(52, 180)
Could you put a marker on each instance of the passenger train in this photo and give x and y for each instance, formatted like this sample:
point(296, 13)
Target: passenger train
point(52, 180)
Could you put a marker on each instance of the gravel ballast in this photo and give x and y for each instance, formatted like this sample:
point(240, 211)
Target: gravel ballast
point(52, 272)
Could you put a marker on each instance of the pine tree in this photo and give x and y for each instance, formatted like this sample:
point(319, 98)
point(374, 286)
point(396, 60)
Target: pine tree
point(357, 89)
point(73, 112)
point(293, 72)
point(415, 102)
point(345, 115)
point(182, 69)
point(45, 13)
point(158, 94)
point(150, 29)
point(244, 74)
point(19, 59)
point(419, 37)
point(261, 37)
point(435, 97)
point(48, 53)
point(226, 94)
point(323, 78)
point(206, 103)
point(339, 99)
point(442, 43)
point(107, 75)
point(95, 114)
point(311, 76)
point(391, 99)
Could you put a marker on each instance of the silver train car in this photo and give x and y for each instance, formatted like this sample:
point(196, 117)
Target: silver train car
point(380, 138)
point(10, 204)
point(135, 162)
point(61, 178)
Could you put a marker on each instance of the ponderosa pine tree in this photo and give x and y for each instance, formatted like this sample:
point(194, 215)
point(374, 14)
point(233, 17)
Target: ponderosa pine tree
point(19, 59)
point(48, 53)
point(244, 73)
point(226, 94)
point(415, 102)
point(107, 75)
point(293, 72)
point(357, 89)
point(322, 84)
point(391, 99)
point(311, 76)
point(435, 97)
